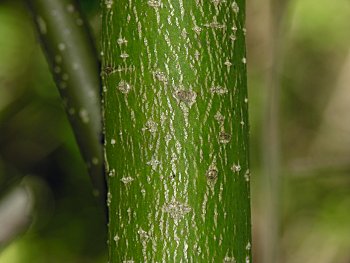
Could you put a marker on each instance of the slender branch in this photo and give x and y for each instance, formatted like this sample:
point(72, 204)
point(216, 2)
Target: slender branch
point(73, 61)
point(16, 209)
point(271, 141)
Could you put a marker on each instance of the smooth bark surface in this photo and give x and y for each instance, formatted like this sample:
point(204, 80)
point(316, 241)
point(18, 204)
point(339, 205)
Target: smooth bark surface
point(72, 57)
point(176, 131)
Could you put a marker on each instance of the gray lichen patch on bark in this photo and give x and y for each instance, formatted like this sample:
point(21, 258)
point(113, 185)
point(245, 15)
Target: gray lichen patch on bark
point(178, 132)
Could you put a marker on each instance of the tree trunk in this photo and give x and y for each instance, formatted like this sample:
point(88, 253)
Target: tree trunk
point(176, 131)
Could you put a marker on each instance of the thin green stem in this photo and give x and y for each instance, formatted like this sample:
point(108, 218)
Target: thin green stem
point(73, 62)
point(16, 211)
point(272, 186)
point(176, 128)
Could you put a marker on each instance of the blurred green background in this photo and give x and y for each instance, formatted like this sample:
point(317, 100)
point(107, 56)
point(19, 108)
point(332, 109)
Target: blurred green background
point(37, 147)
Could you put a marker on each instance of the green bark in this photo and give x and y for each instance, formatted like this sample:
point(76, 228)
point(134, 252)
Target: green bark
point(72, 57)
point(176, 131)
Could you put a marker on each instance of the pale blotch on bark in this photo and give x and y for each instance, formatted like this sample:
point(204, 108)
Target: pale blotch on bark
point(188, 97)
point(42, 25)
point(124, 55)
point(127, 180)
point(109, 4)
point(228, 64)
point(248, 246)
point(197, 29)
point(160, 76)
point(122, 41)
point(212, 172)
point(215, 24)
point(185, 99)
point(219, 118)
point(176, 210)
point(144, 238)
point(109, 199)
point(124, 87)
point(111, 173)
point(154, 3)
point(235, 7)
point(143, 235)
point(116, 238)
point(218, 90)
point(233, 37)
point(247, 175)
point(236, 168)
point(197, 55)
point(224, 137)
point(84, 115)
point(153, 163)
point(150, 126)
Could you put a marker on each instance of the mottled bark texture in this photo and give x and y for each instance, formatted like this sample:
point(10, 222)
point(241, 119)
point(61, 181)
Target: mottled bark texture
point(176, 130)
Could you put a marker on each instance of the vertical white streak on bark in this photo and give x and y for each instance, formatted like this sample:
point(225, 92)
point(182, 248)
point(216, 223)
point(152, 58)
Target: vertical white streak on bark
point(182, 9)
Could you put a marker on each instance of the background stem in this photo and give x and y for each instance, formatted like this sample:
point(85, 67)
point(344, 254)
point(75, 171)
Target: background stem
point(73, 61)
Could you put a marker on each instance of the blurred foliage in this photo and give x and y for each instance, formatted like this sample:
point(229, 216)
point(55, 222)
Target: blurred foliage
point(316, 179)
point(36, 140)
